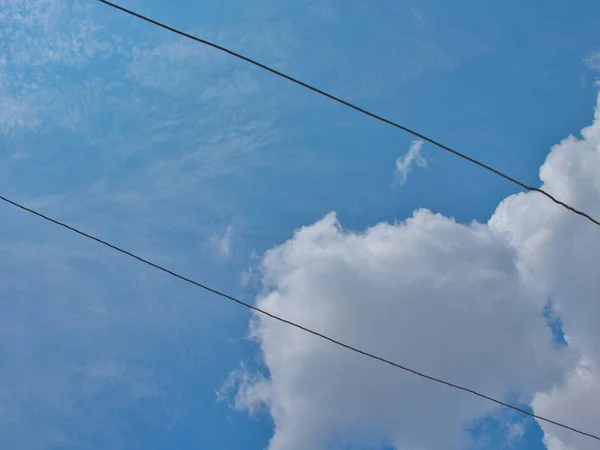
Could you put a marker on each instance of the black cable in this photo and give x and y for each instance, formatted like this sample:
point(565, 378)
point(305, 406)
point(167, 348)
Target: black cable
point(288, 322)
point(354, 107)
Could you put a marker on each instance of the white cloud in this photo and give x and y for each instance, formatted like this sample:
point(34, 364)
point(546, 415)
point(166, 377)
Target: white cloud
point(463, 302)
point(576, 401)
point(592, 60)
point(42, 44)
point(404, 163)
point(430, 293)
point(559, 255)
point(224, 242)
point(515, 432)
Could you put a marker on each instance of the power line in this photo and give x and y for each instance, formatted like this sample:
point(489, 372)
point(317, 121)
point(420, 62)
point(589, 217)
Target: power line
point(289, 322)
point(354, 107)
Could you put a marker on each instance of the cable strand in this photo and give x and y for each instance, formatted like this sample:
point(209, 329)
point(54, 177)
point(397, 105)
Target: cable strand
point(289, 322)
point(352, 106)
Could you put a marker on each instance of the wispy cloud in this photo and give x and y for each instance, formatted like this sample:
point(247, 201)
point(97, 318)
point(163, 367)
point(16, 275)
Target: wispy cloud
point(44, 45)
point(410, 158)
point(515, 432)
point(224, 243)
point(129, 141)
point(592, 60)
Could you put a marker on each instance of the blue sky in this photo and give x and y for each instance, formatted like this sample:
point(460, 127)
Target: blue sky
point(200, 162)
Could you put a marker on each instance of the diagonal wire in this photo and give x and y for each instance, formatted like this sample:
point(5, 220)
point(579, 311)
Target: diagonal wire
point(354, 107)
point(289, 322)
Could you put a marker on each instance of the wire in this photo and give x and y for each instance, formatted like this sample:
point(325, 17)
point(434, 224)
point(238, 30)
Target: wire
point(354, 107)
point(289, 322)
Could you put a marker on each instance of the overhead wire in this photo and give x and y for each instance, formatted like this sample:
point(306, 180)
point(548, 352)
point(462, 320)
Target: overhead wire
point(263, 312)
point(354, 107)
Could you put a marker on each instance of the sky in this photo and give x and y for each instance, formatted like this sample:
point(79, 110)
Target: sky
point(259, 188)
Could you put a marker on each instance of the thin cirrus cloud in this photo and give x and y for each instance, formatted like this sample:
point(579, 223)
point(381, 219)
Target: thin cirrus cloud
point(42, 49)
point(82, 138)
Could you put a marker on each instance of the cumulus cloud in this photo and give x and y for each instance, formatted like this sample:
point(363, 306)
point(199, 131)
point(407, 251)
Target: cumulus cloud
point(429, 292)
point(459, 301)
point(576, 401)
point(404, 163)
point(558, 255)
